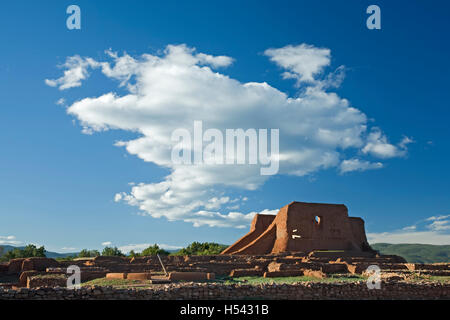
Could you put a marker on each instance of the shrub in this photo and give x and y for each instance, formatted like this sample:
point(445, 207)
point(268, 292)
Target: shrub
point(112, 252)
point(204, 248)
point(133, 254)
point(153, 251)
point(85, 253)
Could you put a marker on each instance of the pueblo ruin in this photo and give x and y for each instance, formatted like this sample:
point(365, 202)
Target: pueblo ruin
point(304, 239)
point(303, 227)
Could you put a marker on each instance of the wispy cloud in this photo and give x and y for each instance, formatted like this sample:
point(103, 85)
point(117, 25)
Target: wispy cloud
point(439, 223)
point(433, 230)
point(378, 145)
point(358, 165)
point(9, 240)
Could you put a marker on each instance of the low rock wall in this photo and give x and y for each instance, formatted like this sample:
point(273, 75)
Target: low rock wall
point(308, 291)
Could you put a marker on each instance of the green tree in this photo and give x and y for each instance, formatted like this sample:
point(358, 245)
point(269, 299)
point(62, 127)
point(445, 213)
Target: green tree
point(153, 251)
point(202, 248)
point(29, 251)
point(133, 254)
point(2, 257)
point(85, 253)
point(112, 252)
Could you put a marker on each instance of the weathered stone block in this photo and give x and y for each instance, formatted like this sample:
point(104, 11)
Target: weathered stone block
point(24, 277)
point(38, 263)
point(188, 276)
point(57, 280)
point(314, 273)
point(3, 268)
point(15, 265)
point(139, 276)
point(116, 275)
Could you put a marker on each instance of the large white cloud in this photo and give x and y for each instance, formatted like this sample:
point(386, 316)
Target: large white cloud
point(172, 90)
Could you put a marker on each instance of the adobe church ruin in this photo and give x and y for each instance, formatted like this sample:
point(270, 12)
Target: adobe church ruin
point(304, 227)
point(303, 239)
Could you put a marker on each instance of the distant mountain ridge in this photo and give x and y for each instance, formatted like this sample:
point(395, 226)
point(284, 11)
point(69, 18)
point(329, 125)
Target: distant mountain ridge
point(416, 253)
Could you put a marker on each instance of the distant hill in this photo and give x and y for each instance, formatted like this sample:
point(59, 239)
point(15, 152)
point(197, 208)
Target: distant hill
point(49, 254)
point(417, 253)
point(414, 253)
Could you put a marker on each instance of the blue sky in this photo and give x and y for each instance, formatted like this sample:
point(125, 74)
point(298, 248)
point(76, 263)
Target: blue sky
point(58, 185)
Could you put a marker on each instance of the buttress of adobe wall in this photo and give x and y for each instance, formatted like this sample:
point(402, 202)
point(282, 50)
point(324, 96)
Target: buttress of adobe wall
point(359, 232)
point(260, 223)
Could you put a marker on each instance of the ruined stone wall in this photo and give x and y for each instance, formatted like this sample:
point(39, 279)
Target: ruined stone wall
point(358, 231)
point(297, 291)
point(301, 226)
point(16, 266)
point(285, 264)
point(319, 227)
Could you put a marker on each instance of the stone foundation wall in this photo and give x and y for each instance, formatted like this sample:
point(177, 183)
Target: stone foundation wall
point(289, 264)
point(49, 281)
point(205, 291)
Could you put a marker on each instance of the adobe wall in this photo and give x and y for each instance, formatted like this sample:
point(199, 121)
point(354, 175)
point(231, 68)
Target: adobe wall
point(301, 226)
point(358, 231)
point(327, 261)
point(333, 231)
point(16, 266)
